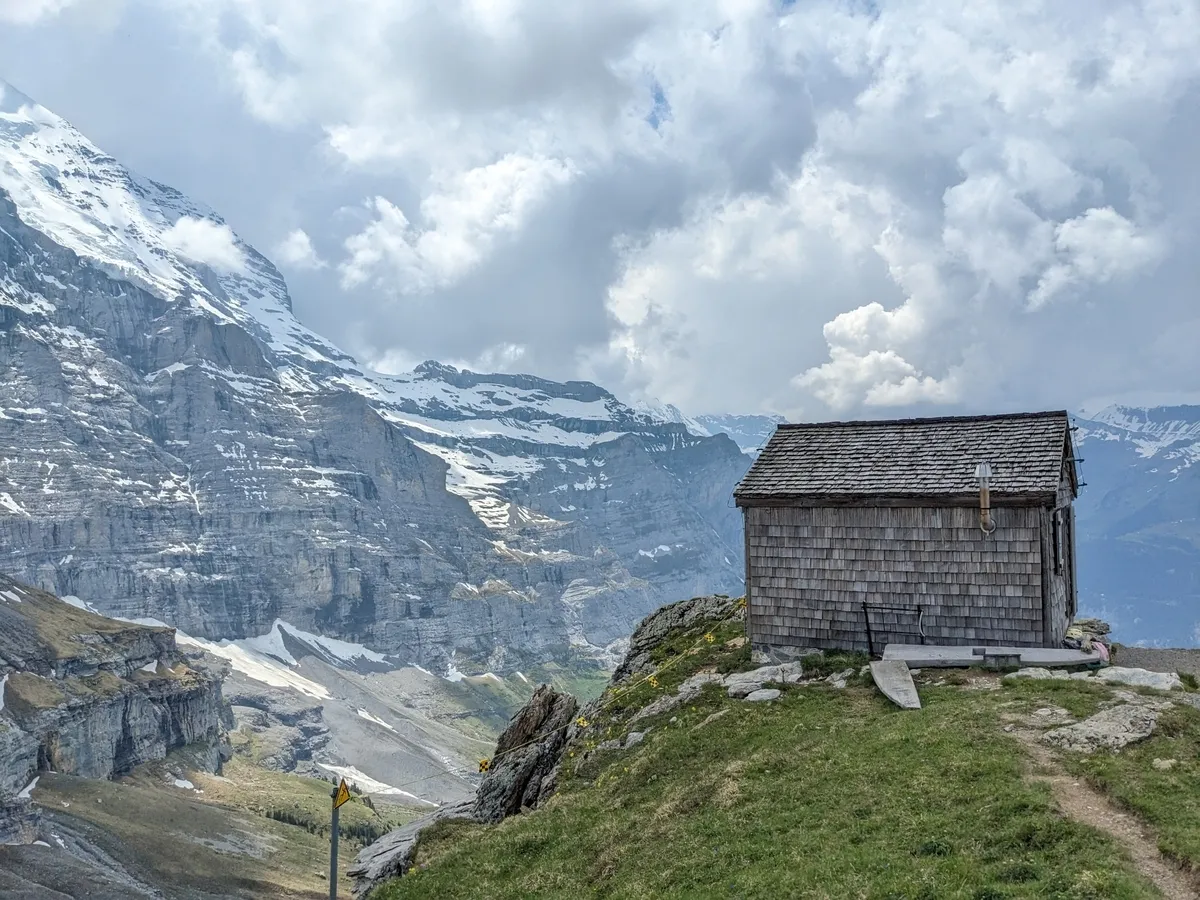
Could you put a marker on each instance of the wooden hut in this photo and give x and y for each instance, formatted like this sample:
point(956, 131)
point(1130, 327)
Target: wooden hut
point(955, 530)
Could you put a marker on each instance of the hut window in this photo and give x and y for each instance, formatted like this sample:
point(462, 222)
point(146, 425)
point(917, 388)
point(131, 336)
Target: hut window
point(1058, 541)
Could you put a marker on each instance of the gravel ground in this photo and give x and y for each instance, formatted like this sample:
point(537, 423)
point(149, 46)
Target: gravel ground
point(1159, 660)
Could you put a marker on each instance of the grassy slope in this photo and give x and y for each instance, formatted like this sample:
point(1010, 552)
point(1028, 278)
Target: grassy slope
point(303, 802)
point(822, 794)
point(252, 832)
point(174, 840)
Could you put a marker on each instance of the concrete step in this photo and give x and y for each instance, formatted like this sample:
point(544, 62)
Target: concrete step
point(926, 656)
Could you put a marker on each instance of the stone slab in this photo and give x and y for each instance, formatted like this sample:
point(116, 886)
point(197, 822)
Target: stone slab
point(920, 656)
point(894, 679)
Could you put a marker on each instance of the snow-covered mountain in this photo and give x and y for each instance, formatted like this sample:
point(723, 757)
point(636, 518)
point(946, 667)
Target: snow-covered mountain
point(1139, 522)
point(174, 444)
point(749, 432)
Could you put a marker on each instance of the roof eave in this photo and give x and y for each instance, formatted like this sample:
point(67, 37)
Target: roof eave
point(1025, 498)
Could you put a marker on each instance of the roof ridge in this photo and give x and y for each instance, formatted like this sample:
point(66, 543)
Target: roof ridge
point(930, 420)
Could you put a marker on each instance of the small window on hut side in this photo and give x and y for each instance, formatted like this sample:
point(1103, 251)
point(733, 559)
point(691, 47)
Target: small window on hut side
point(1058, 542)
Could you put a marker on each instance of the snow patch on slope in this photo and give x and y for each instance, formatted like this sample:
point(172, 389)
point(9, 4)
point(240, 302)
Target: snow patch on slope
point(256, 665)
point(1171, 434)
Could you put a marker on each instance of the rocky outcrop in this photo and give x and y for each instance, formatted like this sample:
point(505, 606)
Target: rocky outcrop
point(523, 771)
point(1110, 729)
point(20, 820)
point(392, 855)
point(520, 776)
point(653, 629)
point(289, 726)
point(526, 754)
point(85, 695)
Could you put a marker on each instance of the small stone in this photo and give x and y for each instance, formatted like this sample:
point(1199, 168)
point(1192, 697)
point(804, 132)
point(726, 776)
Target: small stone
point(1036, 672)
point(713, 717)
point(766, 694)
point(634, 737)
point(741, 689)
point(1010, 728)
point(838, 679)
point(759, 658)
point(1164, 764)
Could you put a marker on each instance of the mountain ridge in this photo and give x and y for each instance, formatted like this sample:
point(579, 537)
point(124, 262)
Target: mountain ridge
point(178, 446)
point(1139, 522)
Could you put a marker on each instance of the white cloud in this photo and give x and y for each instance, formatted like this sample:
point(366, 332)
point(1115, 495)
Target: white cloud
point(206, 242)
point(26, 12)
point(816, 207)
point(462, 219)
point(977, 162)
point(1094, 248)
point(297, 250)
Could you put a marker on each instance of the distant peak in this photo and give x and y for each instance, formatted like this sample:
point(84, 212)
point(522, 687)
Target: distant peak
point(13, 101)
point(431, 368)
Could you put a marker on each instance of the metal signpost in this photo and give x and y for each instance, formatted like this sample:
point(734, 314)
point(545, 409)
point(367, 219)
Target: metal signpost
point(340, 795)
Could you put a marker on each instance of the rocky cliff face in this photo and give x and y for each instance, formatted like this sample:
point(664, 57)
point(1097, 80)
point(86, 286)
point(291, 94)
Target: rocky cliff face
point(81, 694)
point(176, 446)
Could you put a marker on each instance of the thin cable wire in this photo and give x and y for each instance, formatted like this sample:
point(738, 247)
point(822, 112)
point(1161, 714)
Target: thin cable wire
point(486, 764)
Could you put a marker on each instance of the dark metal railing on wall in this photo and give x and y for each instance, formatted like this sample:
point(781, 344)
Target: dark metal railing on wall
point(891, 628)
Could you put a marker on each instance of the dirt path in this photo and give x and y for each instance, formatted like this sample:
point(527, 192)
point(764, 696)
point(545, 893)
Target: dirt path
point(1083, 804)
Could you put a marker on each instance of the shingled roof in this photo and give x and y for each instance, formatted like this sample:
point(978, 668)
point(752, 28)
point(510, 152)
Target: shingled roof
point(908, 458)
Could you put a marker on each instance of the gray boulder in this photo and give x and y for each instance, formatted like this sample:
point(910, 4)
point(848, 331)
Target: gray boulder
point(1163, 681)
point(764, 694)
point(1109, 729)
point(392, 855)
point(739, 684)
point(526, 754)
point(687, 692)
point(1037, 672)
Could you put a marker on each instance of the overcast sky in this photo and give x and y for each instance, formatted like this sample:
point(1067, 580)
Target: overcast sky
point(811, 208)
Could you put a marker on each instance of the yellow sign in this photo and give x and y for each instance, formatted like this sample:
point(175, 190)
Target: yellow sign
point(343, 794)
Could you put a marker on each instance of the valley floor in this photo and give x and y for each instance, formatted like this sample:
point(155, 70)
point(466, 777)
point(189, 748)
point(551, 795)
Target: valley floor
point(828, 793)
point(251, 833)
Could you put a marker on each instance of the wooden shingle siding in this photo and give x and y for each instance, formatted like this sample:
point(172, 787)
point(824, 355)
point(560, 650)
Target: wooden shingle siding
point(810, 569)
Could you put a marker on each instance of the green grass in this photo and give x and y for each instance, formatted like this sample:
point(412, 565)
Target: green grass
point(822, 794)
point(1165, 798)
